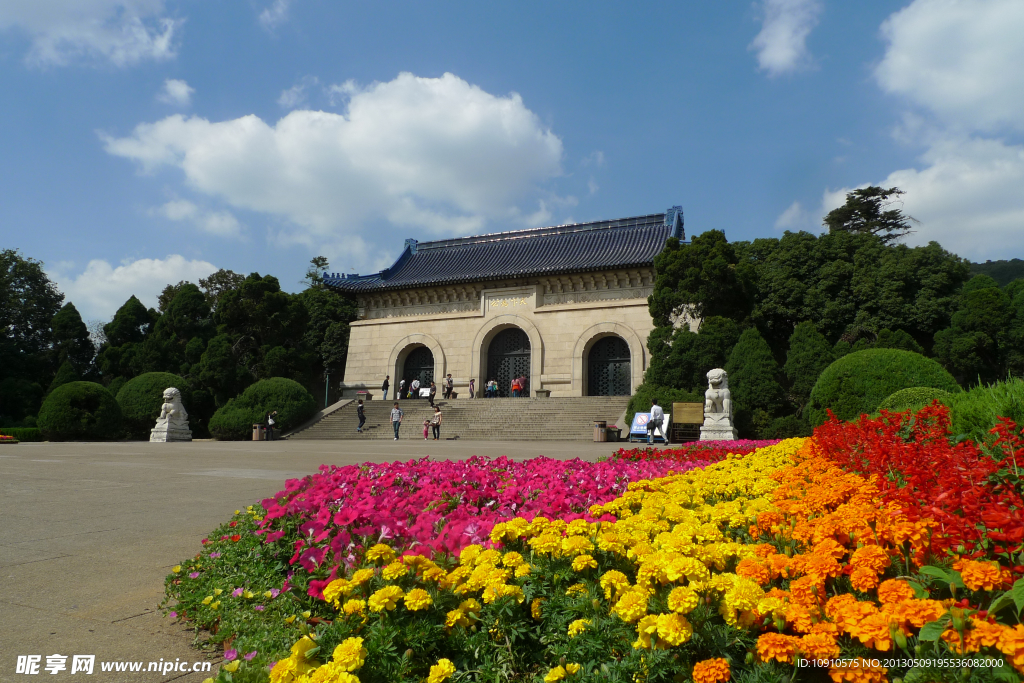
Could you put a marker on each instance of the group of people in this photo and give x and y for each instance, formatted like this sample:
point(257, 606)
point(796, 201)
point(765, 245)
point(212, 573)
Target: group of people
point(430, 425)
point(517, 388)
point(448, 392)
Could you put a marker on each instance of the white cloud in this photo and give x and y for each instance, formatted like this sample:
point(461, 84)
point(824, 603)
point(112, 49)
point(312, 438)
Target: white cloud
point(176, 92)
point(295, 96)
point(123, 32)
point(275, 15)
point(101, 289)
point(220, 223)
point(781, 45)
point(959, 60)
point(792, 217)
point(433, 153)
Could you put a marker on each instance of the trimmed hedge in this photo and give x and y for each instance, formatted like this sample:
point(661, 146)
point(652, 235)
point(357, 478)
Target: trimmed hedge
point(80, 411)
point(22, 433)
point(858, 383)
point(141, 397)
point(913, 398)
point(294, 405)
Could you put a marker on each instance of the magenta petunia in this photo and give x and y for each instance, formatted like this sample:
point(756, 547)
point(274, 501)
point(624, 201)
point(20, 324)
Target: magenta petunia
point(249, 656)
point(231, 655)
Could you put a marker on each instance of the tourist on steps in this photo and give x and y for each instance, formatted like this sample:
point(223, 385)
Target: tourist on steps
point(401, 390)
point(384, 387)
point(432, 394)
point(361, 415)
point(472, 388)
point(435, 422)
point(396, 419)
point(449, 386)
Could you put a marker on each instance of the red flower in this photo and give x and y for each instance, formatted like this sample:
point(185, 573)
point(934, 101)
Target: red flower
point(236, 538)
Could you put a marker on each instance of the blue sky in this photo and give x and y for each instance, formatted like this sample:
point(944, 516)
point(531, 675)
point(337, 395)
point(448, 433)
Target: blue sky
point(149, 141)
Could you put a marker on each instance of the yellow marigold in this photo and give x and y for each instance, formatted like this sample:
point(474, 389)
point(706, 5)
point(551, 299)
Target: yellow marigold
point(613, 582)
point(575, 545)
point(777, 646)
point(361, 576)
point(631, 606)
point(711, 671)
point(578, 626)
point(385, 599)
point(283, 671)
point(469, 554)
point(683, 600)
point(470, 606)
point(556, 674)
point(674, 629)
point(577, 527)
point(522, 570)
point(981, 575)
point(583, 562)
point(354, 606)
point(647, 631)
point(894, 590)
point(512, 560)
point(350, 654)
point(335, 589)
point(380, 552)
point(546, 544)
point(743, 595)
point(418, 599)
point(394, 571)
point(441, 671)
point(572, 668)
point(535, 608)
point(863, 579)
point(489, 556)
point(301, 647)
point(576, 589)
point(434, 574)
point(858, 671)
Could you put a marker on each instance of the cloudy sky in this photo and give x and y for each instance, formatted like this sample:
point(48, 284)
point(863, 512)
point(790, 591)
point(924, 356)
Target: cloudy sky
point(150, 141)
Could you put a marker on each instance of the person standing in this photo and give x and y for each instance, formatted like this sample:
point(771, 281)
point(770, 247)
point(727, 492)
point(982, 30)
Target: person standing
point(384, 387)
point(362, 416)
point(270, 421)
point(401, 390)
point(396, 419)
point(472, 388)
point(654, 424)
point(415, 388)
point(435, 422)
point(432, 394)
point(449, 386)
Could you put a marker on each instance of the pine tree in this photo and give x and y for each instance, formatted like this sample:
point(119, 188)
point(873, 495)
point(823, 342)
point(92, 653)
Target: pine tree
point(809, 354)
point(753, 380)
point(71, 339)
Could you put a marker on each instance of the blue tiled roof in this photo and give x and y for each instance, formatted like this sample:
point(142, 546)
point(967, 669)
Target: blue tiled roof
point(576, 248)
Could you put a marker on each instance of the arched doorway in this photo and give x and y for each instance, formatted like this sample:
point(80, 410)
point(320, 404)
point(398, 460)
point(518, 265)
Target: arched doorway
point(608, 368)
point(508, 356)
point(419, 364)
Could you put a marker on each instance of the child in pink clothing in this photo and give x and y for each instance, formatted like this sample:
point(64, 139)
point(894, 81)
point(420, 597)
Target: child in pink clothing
point(426, 428)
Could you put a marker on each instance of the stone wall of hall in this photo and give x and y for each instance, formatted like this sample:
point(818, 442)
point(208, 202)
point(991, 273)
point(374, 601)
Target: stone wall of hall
point(562, 320)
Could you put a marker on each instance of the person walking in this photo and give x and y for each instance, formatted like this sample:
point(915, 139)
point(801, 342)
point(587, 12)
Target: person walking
point(270, 420)
point(401, 390)
point(432, 394)
point(415, 388)
point(449, 386)
point(384, 387)
point(396, 419)
point(654, 424)
point(472, 388)
point(361, 415)
point(435, 422)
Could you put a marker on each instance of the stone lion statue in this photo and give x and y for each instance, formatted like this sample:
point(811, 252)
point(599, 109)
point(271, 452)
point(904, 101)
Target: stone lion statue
point(172, 423)
point(718, 399)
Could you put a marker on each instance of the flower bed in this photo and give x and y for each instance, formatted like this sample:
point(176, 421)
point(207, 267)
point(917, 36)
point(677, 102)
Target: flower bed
point(737, 571)
point(700, 451)
point(7, 439)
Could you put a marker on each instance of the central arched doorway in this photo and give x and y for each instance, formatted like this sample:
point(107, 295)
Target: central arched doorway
point(508, 356)
point(608, 368)
point(419, 364)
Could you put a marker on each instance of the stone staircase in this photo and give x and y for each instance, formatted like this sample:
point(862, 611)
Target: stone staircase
point(477, 419)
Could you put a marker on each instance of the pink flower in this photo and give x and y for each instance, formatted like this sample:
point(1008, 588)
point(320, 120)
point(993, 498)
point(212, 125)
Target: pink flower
point(249, 656)
point(214, 556)
point(259, 608)
point(194, 575)
point(237, 592)
point(173, 615)
point(231, 655)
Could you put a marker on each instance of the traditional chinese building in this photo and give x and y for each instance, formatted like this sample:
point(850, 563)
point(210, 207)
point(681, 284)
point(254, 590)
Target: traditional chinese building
point(564, 306)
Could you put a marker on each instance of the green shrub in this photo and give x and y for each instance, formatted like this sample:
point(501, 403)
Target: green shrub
point(974, 412)
point(641, 401)
point(857, 383)
point(757, 396)
point(141, 397)
point(913, 398)
point(294, 405)
point(80, 411)
point(23, 433)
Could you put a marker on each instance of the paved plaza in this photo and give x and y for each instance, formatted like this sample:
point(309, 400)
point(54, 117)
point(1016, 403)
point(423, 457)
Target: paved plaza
point(90, 530)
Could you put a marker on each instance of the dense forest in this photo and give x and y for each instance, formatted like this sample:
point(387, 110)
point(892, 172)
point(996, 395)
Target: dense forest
point(775, 312)
point(221, 335)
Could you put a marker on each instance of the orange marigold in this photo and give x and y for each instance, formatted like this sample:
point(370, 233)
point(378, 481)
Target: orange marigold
point(779, 565)
point(895, 590)
point(807, 591)
point(872, 557)
point(836, 604)
point(863, 579)
point(855, 671)
point(819, 646)
point(751, 568)
point(920, 612)
point(1011, 644)
point(777, 646)
point(711, 671)
point(981, 575)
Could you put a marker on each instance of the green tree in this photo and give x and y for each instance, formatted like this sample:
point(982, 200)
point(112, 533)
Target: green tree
point(123, 354)
point(217, 284)
point(870, 210)
point(71, 342)
point(28, 303)
point(757, 395)
point(809, 354)
point(66, 373)
point(976, 344)
point(681, 359)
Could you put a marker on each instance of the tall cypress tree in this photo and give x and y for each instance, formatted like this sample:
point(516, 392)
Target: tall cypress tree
point(809, 354)
point(71, 340)
point(757, 394)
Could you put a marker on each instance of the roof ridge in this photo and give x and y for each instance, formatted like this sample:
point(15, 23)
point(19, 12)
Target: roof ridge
point(647, 220)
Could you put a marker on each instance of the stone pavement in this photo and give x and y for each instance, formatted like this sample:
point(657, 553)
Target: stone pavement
point(88, 531)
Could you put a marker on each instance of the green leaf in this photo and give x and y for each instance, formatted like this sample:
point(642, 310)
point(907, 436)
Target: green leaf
point(1001, 601)
point(920, 592)
point(931, 631)
point(936, 572)
point(1017, 592)
point(957, 580)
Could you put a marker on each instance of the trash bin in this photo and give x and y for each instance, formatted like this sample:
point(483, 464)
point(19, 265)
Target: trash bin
point(257, 433)
point(600, 423)
point(600, 434)
point(364, 395)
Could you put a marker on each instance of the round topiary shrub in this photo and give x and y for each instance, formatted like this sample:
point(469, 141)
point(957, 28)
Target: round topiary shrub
point(294, 405)
point(913, 398)
point(141, 397)
point(80, 411)
point(858, 382)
